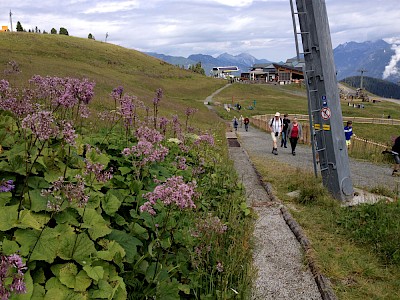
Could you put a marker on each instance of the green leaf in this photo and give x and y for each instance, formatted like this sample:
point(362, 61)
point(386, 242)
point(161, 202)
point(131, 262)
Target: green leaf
point(94, 157)
point(38, 202)
point(94, 222)
point(47, 246)
point(104, 291)
point(69, 276)
point(38, 292)
point(37, 182)
point(5, 197)
point(27, 220)
point(9, 247)
point(168, 290)
point(112, 249)
point(128, 242)
point(8, 217)
point(96, 273)
point(84, 248)
point(124, 170)
point(111, 203)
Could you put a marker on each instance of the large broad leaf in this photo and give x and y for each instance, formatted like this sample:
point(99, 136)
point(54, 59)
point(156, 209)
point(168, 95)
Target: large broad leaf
point(94, 222)
point(128, 242)
point(95, 157)
point(5, 197)
point(111, 203)
point(168, 290)
point(69, 276)
point(38, 292)
point(84, 248)
point(9, 247)
point(56, 290)
point(27, 220)
point(47, 246)
point(112, 248)
point(38, 202)
point(8, 217)
point(96, 273)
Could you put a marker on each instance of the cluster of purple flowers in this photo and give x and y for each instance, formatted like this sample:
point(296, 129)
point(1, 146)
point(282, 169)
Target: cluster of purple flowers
point(11, 276)
point(190, 111)
point(66, 92)
point(173, 191)
point(9, 100)
point(207, 138)
point(6, 185)
point(210, 225)
point(126, 109)
point(181, 163)
point(42, 125)
point(98, 170)
point(68, 133)
point(72, 192)
point(157, 98)
point(149, 147)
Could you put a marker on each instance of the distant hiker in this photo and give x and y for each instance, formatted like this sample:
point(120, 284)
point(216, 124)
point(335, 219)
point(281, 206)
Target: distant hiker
point(241, 121)
point(294, 133)
point(235, 123)
point(246, 123)
point(348, 132)
point(396, 156)
point(276, 126)
point(286, 123)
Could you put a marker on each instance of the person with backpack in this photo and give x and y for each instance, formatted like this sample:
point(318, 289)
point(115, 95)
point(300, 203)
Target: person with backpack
point(286, 123)
point(246, 123)
point(235, 123)
point(276, 126)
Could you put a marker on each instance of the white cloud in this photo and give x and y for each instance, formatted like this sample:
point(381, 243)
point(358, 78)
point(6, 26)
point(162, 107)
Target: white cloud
point(109, 7)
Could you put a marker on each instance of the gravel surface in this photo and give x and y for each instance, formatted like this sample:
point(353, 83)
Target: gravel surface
point(278, 256)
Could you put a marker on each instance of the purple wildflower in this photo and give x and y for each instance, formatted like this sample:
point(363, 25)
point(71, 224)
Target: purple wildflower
point(11, 267)
point(190, 111)
point(219, 267)
point(42, 125)
point(6, 185)
point(157, 98)
point(62, 190)
point(181, 163)
point(173, 192)
point(84, 111)
point(98, 170)
point(207, 138)
point(117, 93)
point(68, 133)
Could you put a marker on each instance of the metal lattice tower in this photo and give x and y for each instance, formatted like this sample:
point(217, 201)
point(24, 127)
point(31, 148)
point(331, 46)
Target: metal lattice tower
point(323, 98)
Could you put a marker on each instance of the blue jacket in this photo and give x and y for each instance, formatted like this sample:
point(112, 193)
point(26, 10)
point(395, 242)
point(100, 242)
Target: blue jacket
point(348, 132)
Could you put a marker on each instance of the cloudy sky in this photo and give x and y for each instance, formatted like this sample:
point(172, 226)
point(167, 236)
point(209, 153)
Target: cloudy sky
point(262, 28)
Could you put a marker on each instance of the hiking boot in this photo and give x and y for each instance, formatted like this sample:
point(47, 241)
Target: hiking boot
point(275, 151)
point(395, 173)
point(293, 153)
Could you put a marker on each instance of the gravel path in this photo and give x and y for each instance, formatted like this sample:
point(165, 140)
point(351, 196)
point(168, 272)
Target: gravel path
point(282, 271)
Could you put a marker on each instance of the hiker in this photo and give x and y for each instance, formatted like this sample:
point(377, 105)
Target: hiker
point(246, 123)
point(294, 133)
point(286, 123)
point(275, 125)
point(396, 156)
point(235, 123)
point(348, 132)
point(241, 121)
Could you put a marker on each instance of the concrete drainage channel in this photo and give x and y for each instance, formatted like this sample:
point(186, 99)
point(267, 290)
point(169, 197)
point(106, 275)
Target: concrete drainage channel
point(232, 139)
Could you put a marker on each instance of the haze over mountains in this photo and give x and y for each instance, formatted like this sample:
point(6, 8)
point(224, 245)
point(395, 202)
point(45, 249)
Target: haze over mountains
point(376, 58)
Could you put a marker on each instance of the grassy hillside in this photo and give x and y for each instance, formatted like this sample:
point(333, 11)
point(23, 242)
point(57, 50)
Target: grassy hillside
point(109, 66)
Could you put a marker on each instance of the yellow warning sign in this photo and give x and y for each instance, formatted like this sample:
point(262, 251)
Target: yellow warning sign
point(324, 127)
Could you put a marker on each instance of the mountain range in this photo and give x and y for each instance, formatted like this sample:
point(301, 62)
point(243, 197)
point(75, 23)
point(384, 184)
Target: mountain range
point(350, 58)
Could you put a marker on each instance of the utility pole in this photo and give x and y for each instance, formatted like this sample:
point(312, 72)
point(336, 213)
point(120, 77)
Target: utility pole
point(324, 103)
point(11, 21)
point(362, 77)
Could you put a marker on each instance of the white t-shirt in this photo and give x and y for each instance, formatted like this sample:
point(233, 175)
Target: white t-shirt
point(276, 124)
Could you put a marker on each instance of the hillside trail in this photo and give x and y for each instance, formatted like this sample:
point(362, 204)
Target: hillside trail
point(279, 254)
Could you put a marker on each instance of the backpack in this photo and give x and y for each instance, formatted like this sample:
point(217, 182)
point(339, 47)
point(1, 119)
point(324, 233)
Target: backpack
point(273, 119)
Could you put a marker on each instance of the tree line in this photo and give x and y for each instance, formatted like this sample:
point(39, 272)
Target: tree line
point(62, 30)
